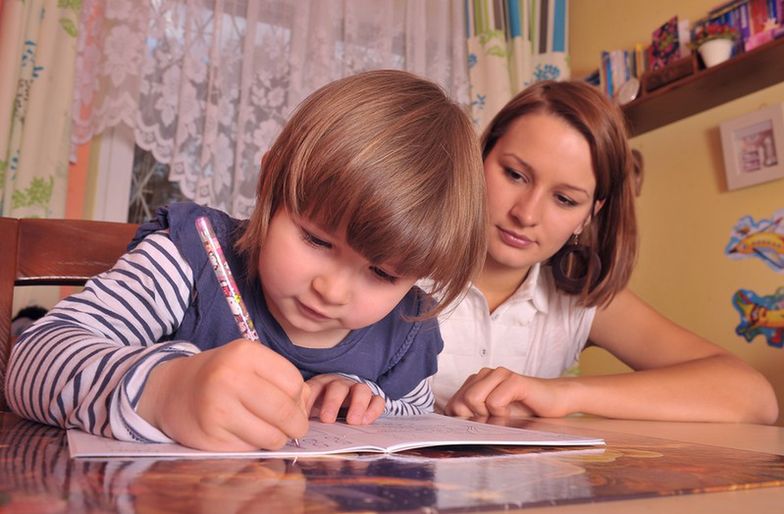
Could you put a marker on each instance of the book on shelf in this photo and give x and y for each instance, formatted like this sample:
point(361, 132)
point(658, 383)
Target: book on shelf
point(619, 66)
point(665, 45)
point(385, 435)
point(755, 21)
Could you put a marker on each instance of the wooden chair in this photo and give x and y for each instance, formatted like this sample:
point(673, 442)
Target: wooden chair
point(52, 252)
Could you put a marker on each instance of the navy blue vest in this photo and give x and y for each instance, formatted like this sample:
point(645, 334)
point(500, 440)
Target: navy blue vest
point(394, 353)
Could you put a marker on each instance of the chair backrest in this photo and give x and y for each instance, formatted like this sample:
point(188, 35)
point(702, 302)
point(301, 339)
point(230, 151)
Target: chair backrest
point(52, 252)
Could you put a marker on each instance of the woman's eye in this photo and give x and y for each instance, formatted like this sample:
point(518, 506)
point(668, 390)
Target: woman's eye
point(565, 200)
point(314, 241)
point(515, 175)
point(383, 275)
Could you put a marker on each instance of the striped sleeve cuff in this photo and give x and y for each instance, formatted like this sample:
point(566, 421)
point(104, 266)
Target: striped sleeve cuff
point(126, 424)
point(419, 401)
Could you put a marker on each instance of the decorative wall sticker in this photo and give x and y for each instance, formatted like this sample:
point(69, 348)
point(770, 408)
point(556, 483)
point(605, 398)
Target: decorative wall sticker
point(760, 315)
point(763, 240)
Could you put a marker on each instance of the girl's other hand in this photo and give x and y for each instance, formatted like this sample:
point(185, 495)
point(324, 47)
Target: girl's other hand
point(329, 393)
point(239, 397)
point(501, 392)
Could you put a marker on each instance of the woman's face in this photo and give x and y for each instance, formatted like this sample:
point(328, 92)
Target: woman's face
point(540, 187)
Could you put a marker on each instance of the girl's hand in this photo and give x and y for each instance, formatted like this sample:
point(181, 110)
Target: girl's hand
point(500, 392)
point(239, 397)
point(331, 392)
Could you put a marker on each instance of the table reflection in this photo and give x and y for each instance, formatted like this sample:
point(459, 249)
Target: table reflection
point(37, 475)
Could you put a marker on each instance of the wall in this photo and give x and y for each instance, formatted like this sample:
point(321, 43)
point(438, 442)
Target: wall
point(685, 212)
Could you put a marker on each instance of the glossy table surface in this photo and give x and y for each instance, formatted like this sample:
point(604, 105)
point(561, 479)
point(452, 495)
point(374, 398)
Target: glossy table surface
point(645, 467)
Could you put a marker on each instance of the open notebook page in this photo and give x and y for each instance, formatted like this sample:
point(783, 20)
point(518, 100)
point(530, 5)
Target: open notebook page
point(385, 435)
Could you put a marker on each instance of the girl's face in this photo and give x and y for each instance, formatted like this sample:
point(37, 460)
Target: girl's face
point(317, 287)
point(540, 187)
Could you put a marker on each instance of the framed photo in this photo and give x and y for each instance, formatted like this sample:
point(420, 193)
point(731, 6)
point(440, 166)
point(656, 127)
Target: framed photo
point(753, 147)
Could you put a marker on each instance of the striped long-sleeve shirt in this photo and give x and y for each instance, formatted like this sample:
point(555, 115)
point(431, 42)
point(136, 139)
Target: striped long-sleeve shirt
point(84, 364)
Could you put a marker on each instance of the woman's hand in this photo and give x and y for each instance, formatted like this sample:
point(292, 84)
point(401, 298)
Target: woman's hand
point(239, 397)
point(331, 392)
point(500, 392)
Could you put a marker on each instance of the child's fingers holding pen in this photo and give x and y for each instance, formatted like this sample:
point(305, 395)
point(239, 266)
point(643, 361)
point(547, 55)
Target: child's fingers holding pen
point(276, 369)
point(304, 399)
point(277, 408)
point(245, 431)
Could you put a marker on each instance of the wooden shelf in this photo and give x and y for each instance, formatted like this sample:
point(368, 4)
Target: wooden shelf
point(740, 76)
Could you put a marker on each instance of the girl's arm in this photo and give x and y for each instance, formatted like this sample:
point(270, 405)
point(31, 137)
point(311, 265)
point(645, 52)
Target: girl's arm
point(84, 363)
point(94, 362)
point(419, 400)
point(678, 376)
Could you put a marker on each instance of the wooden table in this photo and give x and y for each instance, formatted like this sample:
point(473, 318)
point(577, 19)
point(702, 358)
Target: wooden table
point(645, 467)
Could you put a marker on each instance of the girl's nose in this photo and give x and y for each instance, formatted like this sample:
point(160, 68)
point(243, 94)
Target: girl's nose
point(333, 288)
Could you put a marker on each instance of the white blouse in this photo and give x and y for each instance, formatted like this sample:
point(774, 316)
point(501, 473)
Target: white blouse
point(539, 331)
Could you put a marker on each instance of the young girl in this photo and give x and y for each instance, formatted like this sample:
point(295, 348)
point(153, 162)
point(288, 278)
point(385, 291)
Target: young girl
point(374, 183)
point(562, 241)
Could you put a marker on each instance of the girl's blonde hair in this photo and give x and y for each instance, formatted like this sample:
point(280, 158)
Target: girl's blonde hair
point(612, 233)
point(390, 158)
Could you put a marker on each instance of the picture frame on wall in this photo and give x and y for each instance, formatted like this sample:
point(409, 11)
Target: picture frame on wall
point(753, 146)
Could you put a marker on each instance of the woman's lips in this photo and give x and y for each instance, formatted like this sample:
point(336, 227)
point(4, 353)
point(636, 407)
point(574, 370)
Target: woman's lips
point(513, 239)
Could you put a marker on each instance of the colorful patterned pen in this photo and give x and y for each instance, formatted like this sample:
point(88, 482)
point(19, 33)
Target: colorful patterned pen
point(226, 280)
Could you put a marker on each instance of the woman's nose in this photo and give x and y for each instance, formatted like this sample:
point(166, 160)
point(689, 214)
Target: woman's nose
point(527, 209)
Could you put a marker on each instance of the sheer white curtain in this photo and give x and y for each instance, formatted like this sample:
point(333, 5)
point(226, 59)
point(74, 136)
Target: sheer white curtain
point(206, 85)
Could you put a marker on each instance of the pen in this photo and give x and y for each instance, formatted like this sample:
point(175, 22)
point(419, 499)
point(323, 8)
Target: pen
point(226, 281)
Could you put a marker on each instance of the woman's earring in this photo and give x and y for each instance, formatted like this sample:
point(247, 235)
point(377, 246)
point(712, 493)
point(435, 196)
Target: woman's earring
point(573, 264)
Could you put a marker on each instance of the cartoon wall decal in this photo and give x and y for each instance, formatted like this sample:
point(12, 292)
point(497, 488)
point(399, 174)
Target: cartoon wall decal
point(763, 240)
point(760, 315)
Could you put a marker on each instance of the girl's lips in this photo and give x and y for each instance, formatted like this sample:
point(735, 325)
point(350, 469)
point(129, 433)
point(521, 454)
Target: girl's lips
point(514, 240)
point(311, 313)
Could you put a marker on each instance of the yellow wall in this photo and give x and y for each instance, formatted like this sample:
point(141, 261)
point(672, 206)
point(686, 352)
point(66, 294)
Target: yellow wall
point(685, 212)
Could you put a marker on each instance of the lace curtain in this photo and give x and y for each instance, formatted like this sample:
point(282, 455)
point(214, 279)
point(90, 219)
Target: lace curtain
point(206, 85)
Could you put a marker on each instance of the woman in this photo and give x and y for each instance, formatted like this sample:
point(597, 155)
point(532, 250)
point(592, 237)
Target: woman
point(561, 247)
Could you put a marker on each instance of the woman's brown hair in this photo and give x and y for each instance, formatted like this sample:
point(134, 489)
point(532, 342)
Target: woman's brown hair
point(612, 233)
point(388, 157)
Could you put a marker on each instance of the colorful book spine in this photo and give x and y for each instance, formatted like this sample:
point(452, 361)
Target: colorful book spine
point(745, 24)
point(727, 6)
point(773, 10)
point(758, 14)
point(639, 60)
point(606, 74)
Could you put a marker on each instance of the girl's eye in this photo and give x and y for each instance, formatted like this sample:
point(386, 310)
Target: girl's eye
point(314, 241)
point(565, 201)
point(383, 275)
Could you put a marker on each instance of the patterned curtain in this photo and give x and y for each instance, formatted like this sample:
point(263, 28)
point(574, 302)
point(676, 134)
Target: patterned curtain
point(512, 43)
point(206, 85)
point(37, 54)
